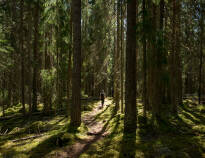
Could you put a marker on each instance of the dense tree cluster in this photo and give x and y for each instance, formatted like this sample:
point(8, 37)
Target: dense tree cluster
point(57, 52)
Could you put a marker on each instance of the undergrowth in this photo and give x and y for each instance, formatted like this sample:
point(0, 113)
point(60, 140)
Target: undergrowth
point(181, 136)
point(37, 135)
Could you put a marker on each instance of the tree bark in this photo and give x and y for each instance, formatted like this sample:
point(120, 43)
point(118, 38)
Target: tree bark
point(28, 44)
point(130, 119)
point(176, 76)
point(201, 53)
point(22, 59)
point(144, 62)
point(122, 58)
point(70, 64)
point(35, 55)
point(117, 62)
point(76, 72)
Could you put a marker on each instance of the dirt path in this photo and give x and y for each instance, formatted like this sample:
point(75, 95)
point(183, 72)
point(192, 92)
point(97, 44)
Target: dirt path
point(97, 130)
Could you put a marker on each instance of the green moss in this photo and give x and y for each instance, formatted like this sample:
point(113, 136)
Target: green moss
point(182, 136)
point(175, 137)
point(52, 127)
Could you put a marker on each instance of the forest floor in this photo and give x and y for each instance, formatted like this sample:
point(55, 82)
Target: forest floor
point(101, 135)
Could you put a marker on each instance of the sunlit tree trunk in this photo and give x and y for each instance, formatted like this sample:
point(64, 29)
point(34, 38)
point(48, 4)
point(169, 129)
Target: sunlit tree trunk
point(117, 61)
point(122, 57)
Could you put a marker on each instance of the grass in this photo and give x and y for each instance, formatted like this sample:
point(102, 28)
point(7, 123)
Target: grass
point(177, 137)
point(52, 127)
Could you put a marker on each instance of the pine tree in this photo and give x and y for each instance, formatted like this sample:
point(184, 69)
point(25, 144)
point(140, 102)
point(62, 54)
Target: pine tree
point(130, 82)
point(76, 74)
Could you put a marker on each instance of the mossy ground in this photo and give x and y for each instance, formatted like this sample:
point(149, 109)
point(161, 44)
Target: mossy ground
point(177, 137)
point(181, 136)
point(50, 127)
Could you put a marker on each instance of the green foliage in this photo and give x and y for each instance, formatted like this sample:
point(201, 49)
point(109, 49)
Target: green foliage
point(48, 78)
point(158, 1)
point(35, 127)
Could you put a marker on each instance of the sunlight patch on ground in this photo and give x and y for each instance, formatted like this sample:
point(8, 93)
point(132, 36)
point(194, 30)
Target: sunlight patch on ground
point(49, 127)
point(183, 136)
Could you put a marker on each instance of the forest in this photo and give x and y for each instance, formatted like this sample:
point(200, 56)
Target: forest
point(102, 78)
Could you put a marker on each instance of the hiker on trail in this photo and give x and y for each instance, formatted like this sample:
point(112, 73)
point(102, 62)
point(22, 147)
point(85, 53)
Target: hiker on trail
point(102, 98)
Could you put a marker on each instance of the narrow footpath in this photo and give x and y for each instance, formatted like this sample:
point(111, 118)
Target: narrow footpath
point(97, 130)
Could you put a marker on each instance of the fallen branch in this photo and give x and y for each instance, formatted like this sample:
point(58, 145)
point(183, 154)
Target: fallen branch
point(32, 137)
point(3, 133)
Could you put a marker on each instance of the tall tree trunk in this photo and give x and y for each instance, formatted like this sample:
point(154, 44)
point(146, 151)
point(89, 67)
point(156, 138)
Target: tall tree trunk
point(155, 68)
point(178, 47)
point(149, 62)
point(160, 58)
point(201, 53)
point(22, 59)
point(130, 119)
point(70, 64)
point(122, 57)
point(76, 72)
point(176, 80)
point(28, 43)
point(173, 71)
point(35, 55)
point(58, 51)
point(14, 43)
point(144, 62)
point(114, 61)
point(117, 58)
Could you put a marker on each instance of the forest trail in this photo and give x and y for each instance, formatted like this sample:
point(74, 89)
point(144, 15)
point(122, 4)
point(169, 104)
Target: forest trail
point(97, 130)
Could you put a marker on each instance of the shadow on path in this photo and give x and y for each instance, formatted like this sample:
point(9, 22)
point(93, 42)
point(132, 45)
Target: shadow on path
point(128, 145)
point(83, 145)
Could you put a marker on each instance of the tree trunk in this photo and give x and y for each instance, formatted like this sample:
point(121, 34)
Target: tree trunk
point(28, 43)
point(178, 51)
point(70, 64)
point(176, 80)
point(116, 64)
point(201, 53)
point(155, 68)
point(144, 62)
point(122, 58)
point(35, 55)
point(76, 72)
point(22, 59)
point(130, 119)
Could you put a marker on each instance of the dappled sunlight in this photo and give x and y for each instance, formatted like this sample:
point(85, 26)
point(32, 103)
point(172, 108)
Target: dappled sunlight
point(34, 137)
point(171, 139)
point(102, 79)
point(102, 130)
